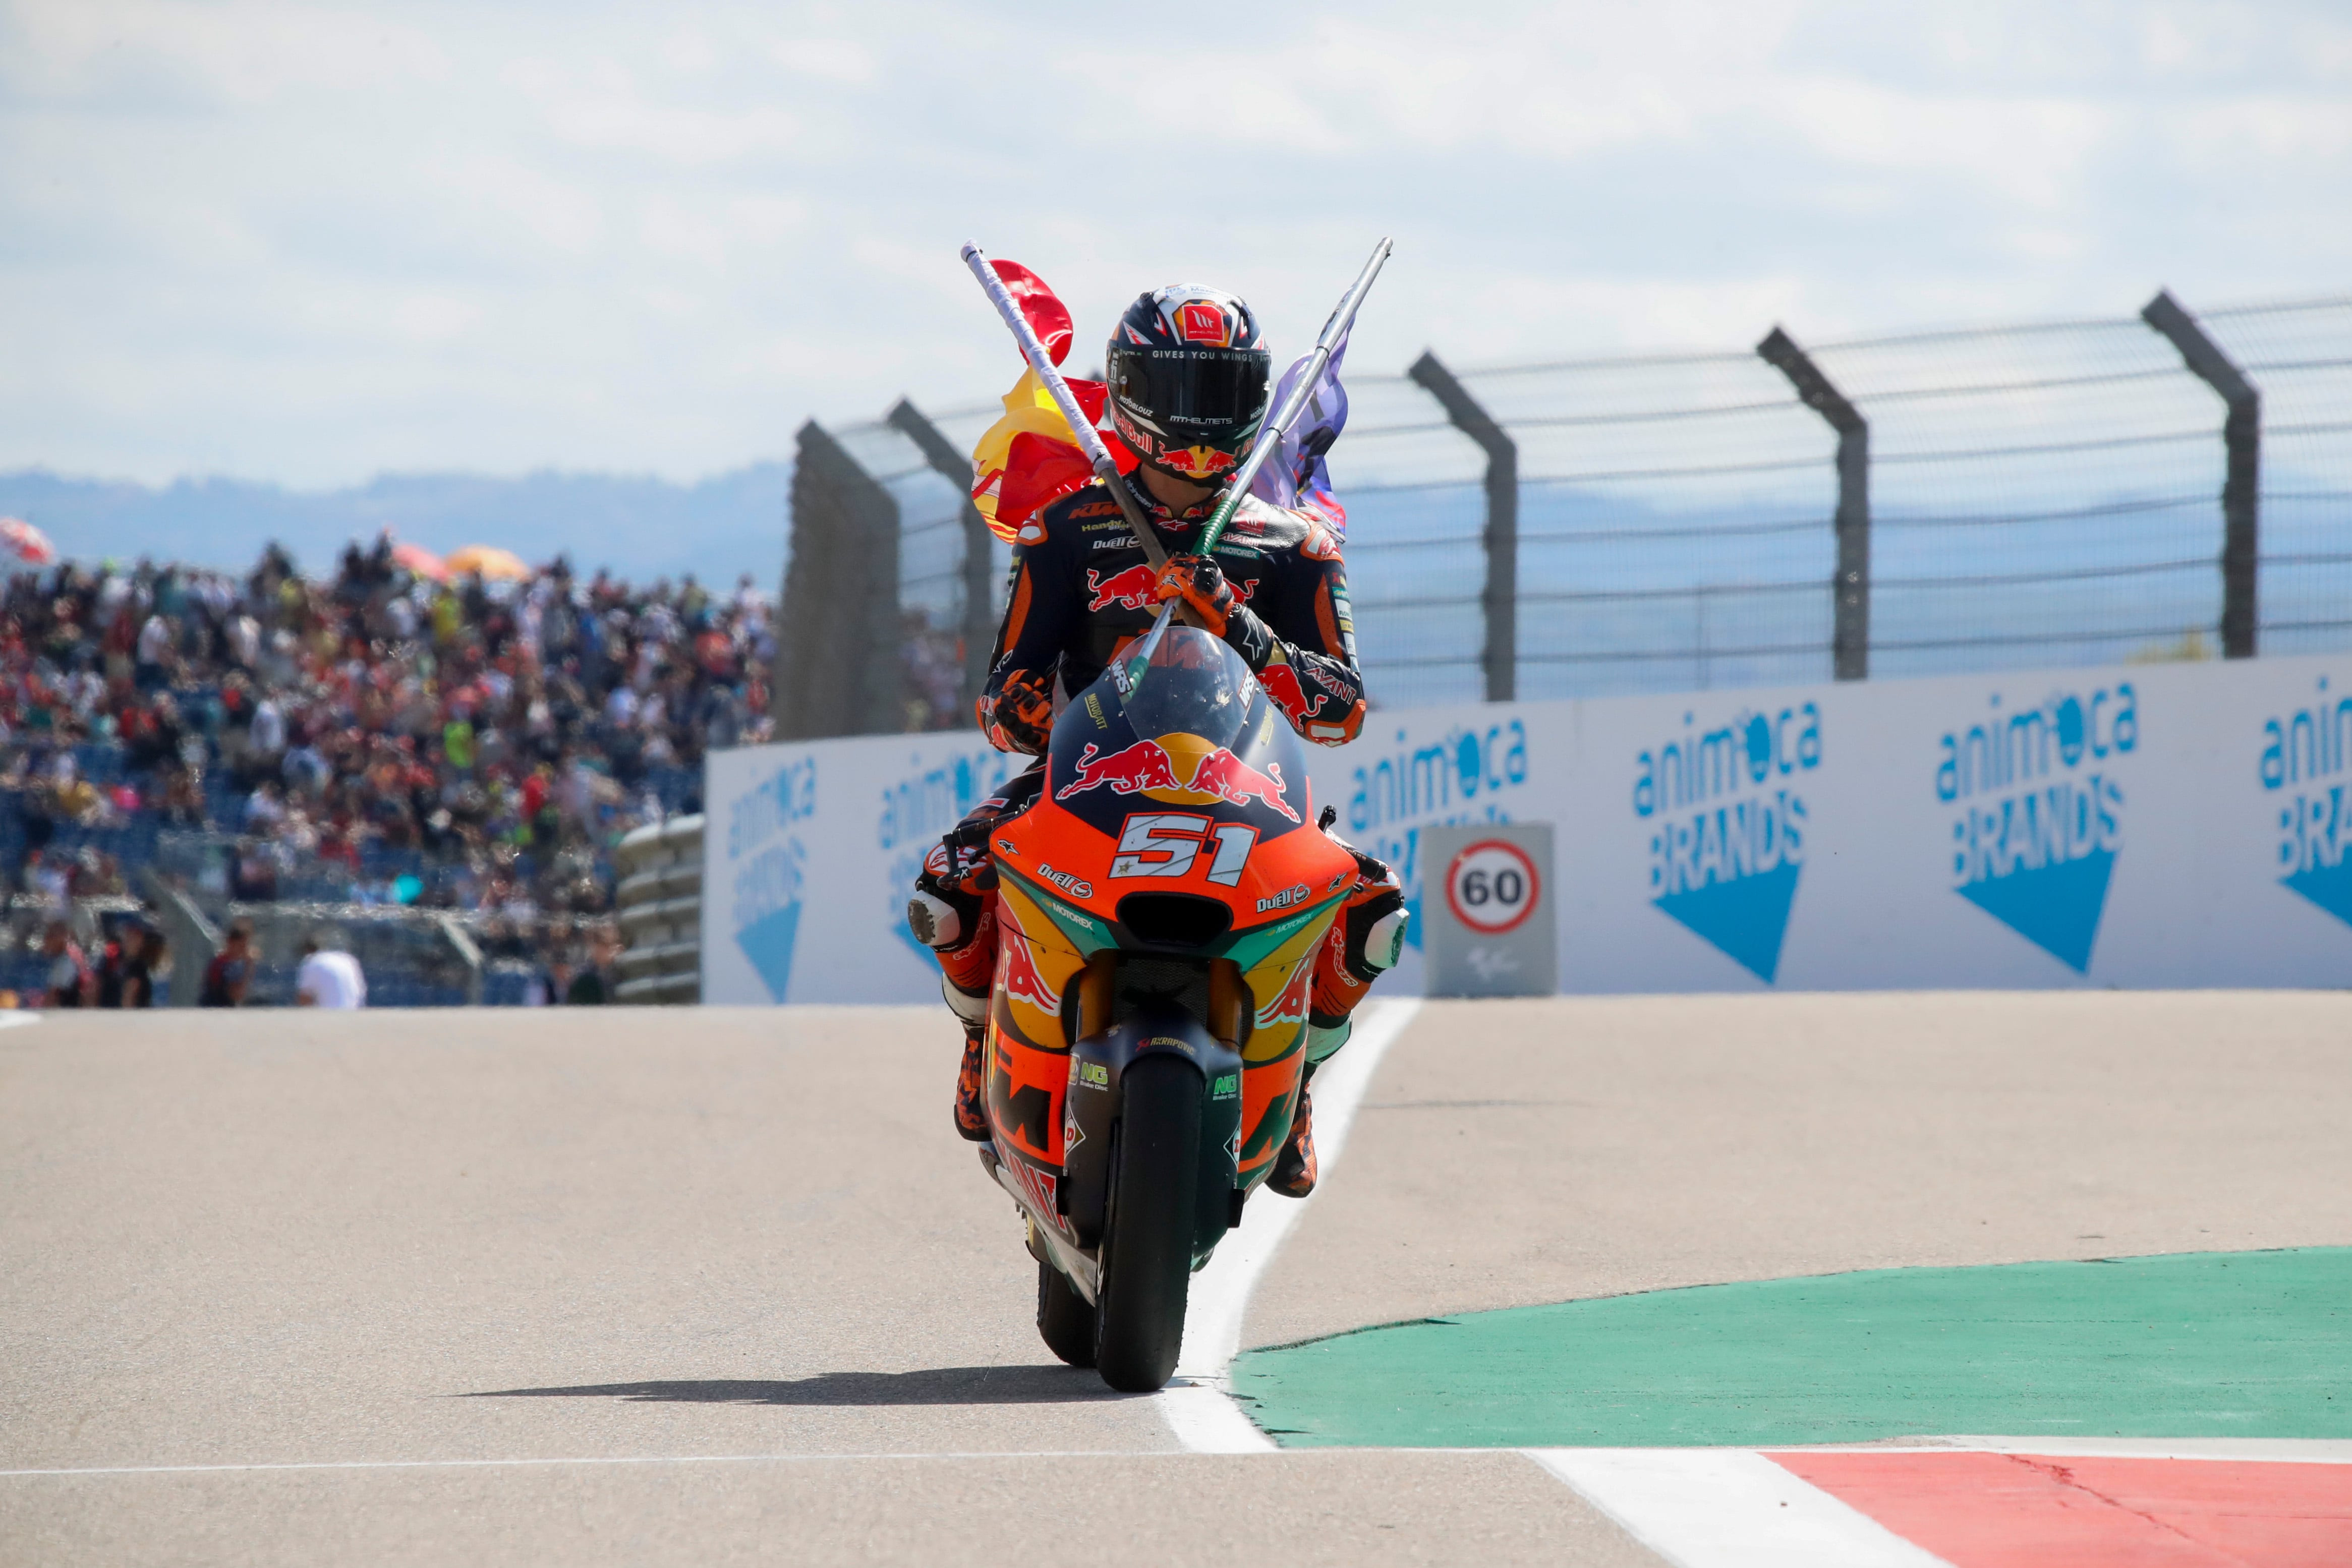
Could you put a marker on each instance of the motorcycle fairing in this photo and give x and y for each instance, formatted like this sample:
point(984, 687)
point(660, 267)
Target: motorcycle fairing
point(1186, 780)
point(1029, 1051)
point(1180, 730)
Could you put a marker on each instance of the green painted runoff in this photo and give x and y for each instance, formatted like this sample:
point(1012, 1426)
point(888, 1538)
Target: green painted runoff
point(2201, 1345)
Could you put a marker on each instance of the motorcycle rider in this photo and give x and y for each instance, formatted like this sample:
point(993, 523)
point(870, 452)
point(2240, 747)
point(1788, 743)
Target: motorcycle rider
point(1188, 377)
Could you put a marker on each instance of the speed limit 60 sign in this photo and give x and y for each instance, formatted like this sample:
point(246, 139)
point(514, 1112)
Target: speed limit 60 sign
point(1486, 897)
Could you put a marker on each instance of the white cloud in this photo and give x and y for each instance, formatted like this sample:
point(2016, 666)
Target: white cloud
point(244, 51)
point(314, 241)
point(826, 60)
point(600, 105)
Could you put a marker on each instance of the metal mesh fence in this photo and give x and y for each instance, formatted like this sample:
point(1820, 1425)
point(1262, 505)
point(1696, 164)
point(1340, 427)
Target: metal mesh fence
point(2045, 494)
point(2042, 494)
point(1672, 529)
point(2301, 358)
point(930, 573)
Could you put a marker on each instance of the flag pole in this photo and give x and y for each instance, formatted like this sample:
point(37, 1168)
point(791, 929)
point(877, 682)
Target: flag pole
point(1097, 455)
point(1270, 434)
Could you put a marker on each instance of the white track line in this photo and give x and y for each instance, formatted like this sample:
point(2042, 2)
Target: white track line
point(1199, 1409)
point(2284, 1450)
point(568, 1460)
point(1728, 1508)
point(10, 1017)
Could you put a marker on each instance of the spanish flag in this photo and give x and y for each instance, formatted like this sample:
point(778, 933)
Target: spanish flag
point(1030, 458)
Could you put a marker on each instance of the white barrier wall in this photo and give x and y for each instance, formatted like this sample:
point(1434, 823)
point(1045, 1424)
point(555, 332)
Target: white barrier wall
point(2154, 825)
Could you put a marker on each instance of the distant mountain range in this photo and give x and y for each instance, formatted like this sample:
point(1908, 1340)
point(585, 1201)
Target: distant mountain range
point(639, 527)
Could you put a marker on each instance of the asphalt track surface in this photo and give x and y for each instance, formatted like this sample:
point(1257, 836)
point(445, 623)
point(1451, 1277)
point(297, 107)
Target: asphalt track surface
point(708, 1285)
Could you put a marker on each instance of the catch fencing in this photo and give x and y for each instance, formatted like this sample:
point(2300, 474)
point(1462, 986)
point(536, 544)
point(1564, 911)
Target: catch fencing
point(2173, 485)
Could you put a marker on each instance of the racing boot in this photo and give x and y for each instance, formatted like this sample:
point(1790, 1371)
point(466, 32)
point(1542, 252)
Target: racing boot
point(953, 914)
point(1294, 1168)
point(971, 1087)
point(1365, 943)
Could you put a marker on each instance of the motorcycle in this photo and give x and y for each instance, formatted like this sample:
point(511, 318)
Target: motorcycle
point(1159, 909)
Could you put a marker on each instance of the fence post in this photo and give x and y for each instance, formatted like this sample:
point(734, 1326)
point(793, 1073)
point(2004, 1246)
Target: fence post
point(979, 629)
point(188, 937)
point(1849, 592)
point(1500, 601)
point(469, 957)
point(2241, 441)
point(837, 647)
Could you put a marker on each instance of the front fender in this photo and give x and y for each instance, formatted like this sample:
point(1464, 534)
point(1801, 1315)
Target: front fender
point(1091, 1106)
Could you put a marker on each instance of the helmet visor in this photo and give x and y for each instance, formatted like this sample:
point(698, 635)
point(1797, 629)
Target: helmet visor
point(1192, 387)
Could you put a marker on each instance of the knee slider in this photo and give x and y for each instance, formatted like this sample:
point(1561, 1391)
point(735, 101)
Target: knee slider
point(1376, 935)
point(935, 922)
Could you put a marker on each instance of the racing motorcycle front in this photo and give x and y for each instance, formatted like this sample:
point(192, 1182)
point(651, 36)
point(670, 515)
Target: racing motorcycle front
point(1159, 907)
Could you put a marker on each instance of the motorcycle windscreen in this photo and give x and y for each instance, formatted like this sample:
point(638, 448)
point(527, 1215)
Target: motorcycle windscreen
point(1179, 722)
point(1182, 681)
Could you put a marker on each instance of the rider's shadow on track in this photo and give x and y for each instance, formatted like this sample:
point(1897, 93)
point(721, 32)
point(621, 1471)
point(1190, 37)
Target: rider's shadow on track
point(1053, 1385)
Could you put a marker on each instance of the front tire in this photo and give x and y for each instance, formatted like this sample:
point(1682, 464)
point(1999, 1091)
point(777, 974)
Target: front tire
point(1066, 1320)
point(1147, 1249)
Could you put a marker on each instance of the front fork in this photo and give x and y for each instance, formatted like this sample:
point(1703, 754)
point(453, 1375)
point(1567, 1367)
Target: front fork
point(1098, 1061)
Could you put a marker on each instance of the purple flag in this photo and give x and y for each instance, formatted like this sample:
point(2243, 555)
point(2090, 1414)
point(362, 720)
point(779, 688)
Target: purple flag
point(1294, 475)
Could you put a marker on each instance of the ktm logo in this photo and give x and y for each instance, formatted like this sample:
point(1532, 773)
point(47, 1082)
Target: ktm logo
point(1199, 321)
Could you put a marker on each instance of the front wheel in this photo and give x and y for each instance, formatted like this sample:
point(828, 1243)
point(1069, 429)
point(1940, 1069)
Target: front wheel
point(1066, 1320)
point(1147, 1248)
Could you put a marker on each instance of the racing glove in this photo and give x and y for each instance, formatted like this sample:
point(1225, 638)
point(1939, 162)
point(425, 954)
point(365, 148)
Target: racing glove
point(1019, 714)
point(1200, 582)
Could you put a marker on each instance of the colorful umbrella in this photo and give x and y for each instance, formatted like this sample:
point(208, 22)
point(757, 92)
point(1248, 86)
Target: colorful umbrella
point(420, 562)
point(486, 561)
point(28, 544)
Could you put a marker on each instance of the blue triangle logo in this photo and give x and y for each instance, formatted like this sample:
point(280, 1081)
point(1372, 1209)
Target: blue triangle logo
point(2055, 907)
point(1746, 916)
point(2330, 887)
point(768, 943)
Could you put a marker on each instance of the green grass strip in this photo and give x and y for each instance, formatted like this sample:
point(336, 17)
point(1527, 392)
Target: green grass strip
point(2203, 1345)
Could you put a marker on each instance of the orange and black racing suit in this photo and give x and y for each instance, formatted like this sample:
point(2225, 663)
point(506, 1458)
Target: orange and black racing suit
point(1081, 591)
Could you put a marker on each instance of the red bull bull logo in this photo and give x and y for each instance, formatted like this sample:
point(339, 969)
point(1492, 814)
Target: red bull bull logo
point(1130, 769)
point(1198, 462)
point(1018, 978)
point(1137, 588)
point(1281, 684)
point(1146, 766)
point(1229, 778)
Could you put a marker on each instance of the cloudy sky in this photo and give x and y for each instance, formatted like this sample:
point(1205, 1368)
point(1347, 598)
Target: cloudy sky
point(313, 243)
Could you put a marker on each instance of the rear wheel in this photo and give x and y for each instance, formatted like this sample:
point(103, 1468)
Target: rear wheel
point(1066, 1320)
point(1147, 1250)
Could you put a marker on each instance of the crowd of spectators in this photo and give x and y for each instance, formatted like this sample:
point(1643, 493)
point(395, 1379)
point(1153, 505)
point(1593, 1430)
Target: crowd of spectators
point(377, 735)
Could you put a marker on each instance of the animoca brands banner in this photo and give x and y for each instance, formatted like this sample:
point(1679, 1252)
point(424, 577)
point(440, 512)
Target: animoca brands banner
point(2153, 825)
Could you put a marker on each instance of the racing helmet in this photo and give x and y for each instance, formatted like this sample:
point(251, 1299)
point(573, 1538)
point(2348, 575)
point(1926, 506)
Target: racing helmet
point(1188, 374)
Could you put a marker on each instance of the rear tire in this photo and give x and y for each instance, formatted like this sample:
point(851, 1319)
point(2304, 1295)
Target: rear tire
point(1147, 1249)
point(1066, 1320)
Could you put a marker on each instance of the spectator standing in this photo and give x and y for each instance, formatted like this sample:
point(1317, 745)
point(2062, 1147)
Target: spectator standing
point(328, 977)
point(268, 731)
point(231, 971)
point(65, 975)
point(154, 647)
point(592, 984)
point(126, 970)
